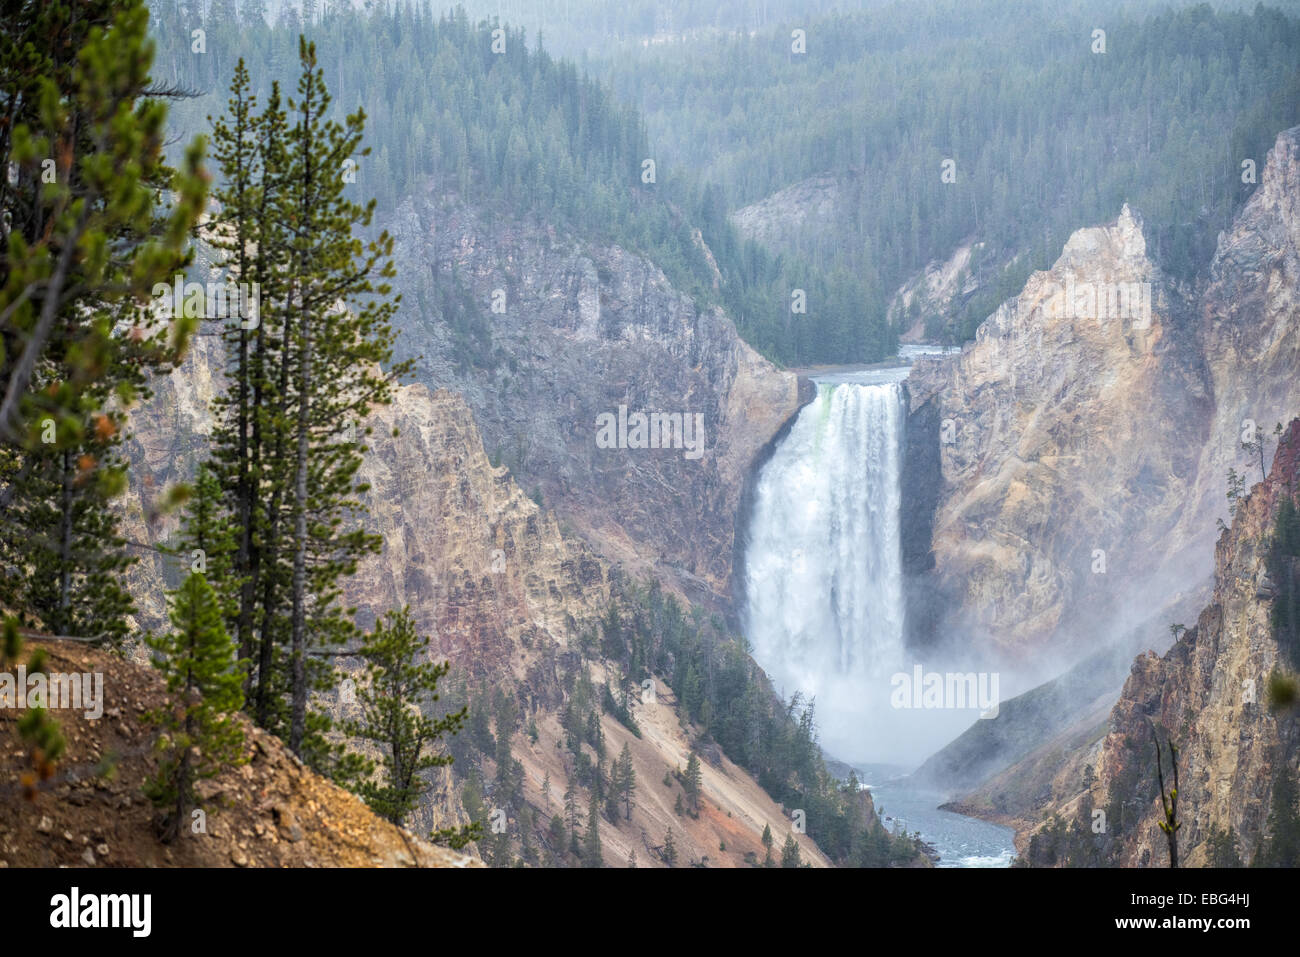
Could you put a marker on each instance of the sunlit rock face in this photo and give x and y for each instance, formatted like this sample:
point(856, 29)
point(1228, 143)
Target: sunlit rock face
point(1068, 433)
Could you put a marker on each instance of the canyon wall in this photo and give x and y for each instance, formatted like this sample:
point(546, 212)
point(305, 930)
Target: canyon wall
point(1209, 694)
point(541, 334)
point(1066, 440)
point(504, 586)
point(1083, 456)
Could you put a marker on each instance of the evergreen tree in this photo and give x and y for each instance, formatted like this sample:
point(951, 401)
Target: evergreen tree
point(591, 856)
point(201, 734)
point(625, 780)
point(306, 372)
point(342, 335)
point(790, 852)
point(670, 849)
point(397, 691)
point(692, 782)
point(559, 840)
point(85, 243)
point(1221, 849)
point(1282, 847)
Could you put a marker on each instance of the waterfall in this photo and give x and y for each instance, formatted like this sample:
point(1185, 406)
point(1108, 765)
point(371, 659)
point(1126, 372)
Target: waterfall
point(823, 564)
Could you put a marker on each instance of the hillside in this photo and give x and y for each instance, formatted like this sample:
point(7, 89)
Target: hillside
point(924, 126)
point(269, 812)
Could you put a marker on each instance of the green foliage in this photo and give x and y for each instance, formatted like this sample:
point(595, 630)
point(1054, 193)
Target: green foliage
point(790, 852)
point(85, 240)
point(1284, 570)
point(397, 690)
point(692, 783)
point(1221, 848)
point(201, 735)
point(527, 137)
point(290, 434)
point(669, 851)
point(725, 694)
point(591, 854)
point(458, 838)
point(1047, 135)
point(624, 780)
point(1282, 845)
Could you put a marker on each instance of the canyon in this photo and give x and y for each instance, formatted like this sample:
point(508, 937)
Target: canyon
point(1061, 475)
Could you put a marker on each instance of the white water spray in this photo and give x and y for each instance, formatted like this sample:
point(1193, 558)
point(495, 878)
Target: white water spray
point(824, 577)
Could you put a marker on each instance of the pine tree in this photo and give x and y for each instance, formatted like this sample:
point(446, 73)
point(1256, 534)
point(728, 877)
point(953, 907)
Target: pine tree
point(625, 780)
point(201, 734)
point(1221, 849)
point(399, 687)
point(342, 337)
point(85, 243)
point(790, 852)
point(85, 240)
point(692, 782)
point(591, 856)
point(305, 373)
point(558, 838)
point(241, 248)
point(669, 853)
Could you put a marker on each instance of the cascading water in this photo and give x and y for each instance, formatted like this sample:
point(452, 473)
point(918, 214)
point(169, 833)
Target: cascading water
point(824, 578)
point(825, 607)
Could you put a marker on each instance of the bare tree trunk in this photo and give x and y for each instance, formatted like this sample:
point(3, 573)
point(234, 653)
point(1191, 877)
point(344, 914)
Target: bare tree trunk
point(299, 713)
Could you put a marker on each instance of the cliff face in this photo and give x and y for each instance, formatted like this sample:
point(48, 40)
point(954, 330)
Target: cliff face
point(1071, 442)
point(1208, 694)
point(1065, 442)
point(1249, 331)
point(485, 570)
point(813, 207)
point(544, 335)
point(1064, 437)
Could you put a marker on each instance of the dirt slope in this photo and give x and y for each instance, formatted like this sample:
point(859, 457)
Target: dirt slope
point(270, 812)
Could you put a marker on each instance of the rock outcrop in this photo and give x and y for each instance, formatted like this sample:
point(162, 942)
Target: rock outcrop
point(1209, 695)
point(809, 208)
point(1083, 463)
point(1067, 434)
point(545, 334)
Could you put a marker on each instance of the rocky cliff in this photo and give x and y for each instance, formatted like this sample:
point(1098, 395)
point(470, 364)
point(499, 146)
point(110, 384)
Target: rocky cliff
point(505, 592)
point(1082, 462)
point(1066, 432)
point(542, 334)
point(1209, 694)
